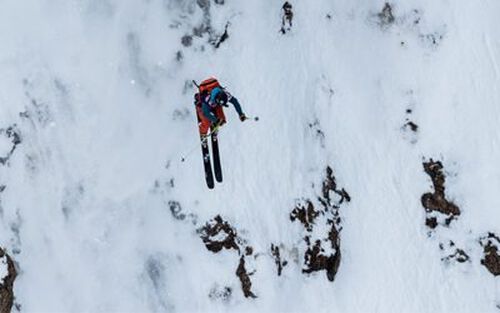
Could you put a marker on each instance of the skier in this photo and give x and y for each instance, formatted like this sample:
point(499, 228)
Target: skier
point(209, 102)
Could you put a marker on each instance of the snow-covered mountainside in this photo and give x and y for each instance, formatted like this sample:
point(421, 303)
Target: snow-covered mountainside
point(368, 184)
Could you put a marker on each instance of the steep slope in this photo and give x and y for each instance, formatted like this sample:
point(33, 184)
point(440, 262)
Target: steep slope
point(100, 214)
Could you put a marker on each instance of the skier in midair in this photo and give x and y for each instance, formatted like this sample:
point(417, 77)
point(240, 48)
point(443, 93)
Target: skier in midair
point(209, 102)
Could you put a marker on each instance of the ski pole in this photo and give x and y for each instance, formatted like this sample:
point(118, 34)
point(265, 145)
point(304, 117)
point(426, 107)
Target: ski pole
point(252, 118)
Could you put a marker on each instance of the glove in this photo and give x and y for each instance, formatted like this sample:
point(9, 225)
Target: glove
point(243, 117)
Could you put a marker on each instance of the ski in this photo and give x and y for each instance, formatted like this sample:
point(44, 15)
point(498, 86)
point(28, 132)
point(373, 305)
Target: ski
point(205, 153)
point(206, 163)
point(216, 157)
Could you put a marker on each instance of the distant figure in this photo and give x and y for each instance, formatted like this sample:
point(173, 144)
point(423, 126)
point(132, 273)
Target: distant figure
point(209, 102)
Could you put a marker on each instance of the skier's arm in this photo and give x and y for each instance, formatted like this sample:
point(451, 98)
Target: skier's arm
point(236, 105)
point(207, 113)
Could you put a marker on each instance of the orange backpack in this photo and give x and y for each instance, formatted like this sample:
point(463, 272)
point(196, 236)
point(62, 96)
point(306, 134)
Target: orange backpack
point(208, 85)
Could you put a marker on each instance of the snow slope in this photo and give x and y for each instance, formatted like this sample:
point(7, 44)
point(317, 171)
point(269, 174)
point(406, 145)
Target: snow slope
point(100, 93)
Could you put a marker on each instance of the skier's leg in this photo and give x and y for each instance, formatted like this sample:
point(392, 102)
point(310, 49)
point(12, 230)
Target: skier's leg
point(219, 112)
point(203, 122)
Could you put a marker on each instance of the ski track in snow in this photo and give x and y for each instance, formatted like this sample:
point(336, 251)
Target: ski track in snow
point(100, 214)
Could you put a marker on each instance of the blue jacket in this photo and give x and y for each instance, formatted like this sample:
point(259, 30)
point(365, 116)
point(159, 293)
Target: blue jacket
point(209, 102)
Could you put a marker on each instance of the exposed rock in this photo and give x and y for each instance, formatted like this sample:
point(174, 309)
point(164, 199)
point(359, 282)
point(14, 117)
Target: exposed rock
point(244, 276)
point(275, 251)
point(7, 282)
point(412, 126)
point(218, 234)
point(491, 259)
point(218, 40)
point(176, 210)
point(316, 260)
point(305, 213)
point(431, 222)
point(436, 201)
point(322, 253)
point(330, 185)
point(459, 255)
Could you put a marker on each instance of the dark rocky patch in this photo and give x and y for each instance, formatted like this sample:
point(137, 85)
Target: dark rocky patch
point(176, 210)
point(7, 285)
point(459, 255)
point(275, 251)
point(315, 259)
point(491, 259)
point(323, 253)
point(13, 134)
point(215, 228)
point(218, 234)
point(412, 126)
point(452, 253)
point(244, 276)
point(386, 17)
point(218, 40)
point(436, 201)
point(431, 222)
point(286, 18)
point(305, 213)
point(329, 186)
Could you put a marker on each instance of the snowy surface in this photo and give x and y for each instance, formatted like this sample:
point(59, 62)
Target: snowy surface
point(4, 270)
point(5, 146)
point(99, 90)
